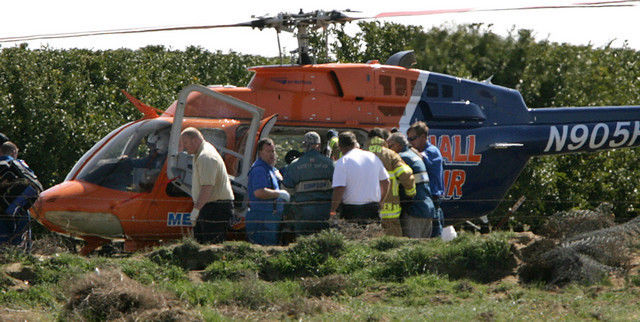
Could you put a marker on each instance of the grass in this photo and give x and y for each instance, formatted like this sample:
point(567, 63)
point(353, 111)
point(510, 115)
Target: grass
point(322, 277)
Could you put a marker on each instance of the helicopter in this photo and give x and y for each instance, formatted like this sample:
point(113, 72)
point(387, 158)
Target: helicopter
point(134, 183)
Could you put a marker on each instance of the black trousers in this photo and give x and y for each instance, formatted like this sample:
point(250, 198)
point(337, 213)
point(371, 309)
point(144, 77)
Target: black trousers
point(361, 214)
point(213, 222)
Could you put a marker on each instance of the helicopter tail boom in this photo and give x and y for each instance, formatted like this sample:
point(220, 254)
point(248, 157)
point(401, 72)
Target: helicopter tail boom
point(585, 129)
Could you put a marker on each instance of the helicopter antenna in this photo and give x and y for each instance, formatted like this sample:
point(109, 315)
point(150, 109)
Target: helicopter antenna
point(279, 46)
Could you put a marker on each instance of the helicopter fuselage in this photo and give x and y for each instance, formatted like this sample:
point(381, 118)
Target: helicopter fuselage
point(485, 132)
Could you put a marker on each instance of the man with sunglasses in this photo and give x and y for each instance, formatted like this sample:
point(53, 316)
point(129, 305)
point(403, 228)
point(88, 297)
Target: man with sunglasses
point(417, 134)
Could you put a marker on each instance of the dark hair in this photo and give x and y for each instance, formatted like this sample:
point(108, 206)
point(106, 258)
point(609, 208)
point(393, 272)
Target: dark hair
point(347, 139)
point(292, 155)
point(376, 133)
point(419, 128)
point(8, 148)
point(263, 142)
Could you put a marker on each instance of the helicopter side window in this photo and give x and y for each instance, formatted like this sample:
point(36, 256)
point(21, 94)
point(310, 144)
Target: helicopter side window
point(217, 138)
point(385, 82)
point(132, 160)
point(432, 90)
point(447, 91)
point(401, 86)
point(288, 141)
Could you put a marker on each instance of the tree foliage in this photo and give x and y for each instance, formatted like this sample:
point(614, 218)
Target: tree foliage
point(55, 104)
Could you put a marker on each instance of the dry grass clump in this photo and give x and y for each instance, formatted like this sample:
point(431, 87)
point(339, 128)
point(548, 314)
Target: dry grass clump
point(7, 315)
point(111, 295)
point(166, 315)
point(355, 231)
point(566, 224)
point(330, 285)
point(51, 244)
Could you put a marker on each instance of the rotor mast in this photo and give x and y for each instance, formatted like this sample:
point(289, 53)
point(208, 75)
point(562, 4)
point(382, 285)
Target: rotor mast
point(301, 24)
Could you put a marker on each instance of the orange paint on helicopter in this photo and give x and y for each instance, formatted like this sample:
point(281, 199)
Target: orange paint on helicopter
point(454, 153)
point(454, 180)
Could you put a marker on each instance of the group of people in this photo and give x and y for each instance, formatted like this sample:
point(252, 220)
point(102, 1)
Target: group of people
point(19, 188)
point(397, 182)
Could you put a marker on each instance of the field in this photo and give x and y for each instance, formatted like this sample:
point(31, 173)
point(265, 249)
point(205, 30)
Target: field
point(342, 274)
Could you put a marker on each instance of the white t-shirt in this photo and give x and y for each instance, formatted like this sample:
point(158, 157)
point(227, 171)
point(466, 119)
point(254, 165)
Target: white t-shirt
point(360, 172)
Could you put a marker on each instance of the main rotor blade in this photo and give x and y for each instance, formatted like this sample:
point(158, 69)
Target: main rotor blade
point(599, 4)
point(117, 32)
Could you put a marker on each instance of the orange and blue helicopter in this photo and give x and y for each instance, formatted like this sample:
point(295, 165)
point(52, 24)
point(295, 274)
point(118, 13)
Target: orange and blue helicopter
point(134, 184)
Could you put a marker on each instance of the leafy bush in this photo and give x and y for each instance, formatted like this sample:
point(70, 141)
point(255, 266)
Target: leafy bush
point(386, 242)
point(483, 259)
point(310, 256)
point(186, 254)
point(232, 270)
point(146, 272)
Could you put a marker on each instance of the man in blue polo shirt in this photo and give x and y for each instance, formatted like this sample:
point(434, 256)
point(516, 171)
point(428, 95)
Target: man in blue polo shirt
point(417, 135)
point(265, 197)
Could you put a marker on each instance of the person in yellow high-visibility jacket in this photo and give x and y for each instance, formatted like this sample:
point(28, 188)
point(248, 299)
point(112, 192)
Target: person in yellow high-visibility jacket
point(399, 174)
point(332, 150)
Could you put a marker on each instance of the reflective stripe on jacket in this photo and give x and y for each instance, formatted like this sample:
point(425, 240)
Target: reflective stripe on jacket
point(399, 174)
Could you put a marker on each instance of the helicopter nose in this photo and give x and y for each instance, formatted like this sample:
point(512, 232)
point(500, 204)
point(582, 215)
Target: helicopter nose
point(66, 208)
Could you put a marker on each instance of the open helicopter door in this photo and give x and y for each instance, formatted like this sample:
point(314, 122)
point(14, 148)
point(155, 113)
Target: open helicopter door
point(179, 163)
point(266, 125)
point(242, 205)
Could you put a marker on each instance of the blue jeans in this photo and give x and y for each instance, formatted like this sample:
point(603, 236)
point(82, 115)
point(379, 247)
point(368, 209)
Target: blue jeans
point(438, 223)
point(263, 227)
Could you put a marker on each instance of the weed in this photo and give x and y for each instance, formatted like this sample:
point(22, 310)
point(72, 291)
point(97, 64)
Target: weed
point(242, 250)
point(386, 242)
point(635, 280)
point(187, 254)
point(483, 259)
point(330, 285)
point(233, 270)
point(146, 271)
point(308, 257)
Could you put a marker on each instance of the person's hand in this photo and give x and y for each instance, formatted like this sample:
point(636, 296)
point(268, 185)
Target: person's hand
point(194, 216)
point(284, 195)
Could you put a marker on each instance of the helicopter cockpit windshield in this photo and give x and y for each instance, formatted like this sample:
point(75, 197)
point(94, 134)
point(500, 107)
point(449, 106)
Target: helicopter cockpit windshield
point(132, 160)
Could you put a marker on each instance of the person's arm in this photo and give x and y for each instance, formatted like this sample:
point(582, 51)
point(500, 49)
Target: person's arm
point(267, 193)
point(405, 177)
point(384, 188)
point(206, 191)
point(336, 198)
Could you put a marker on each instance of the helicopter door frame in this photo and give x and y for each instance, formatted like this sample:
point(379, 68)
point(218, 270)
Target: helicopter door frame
point(266, 126)
point(176, 129)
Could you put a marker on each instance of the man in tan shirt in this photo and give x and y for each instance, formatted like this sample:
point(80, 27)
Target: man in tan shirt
point(210, 188)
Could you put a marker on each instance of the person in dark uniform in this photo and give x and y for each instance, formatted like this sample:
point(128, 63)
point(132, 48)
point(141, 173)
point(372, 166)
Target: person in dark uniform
point(309, 177)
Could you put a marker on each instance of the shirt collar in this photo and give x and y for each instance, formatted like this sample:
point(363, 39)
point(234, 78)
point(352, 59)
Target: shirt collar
point(261, 162)
point(200, 148)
